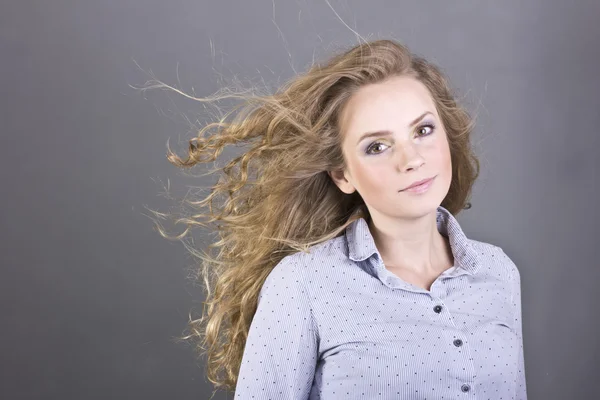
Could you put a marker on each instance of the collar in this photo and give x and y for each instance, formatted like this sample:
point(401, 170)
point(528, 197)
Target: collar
point(362, 246)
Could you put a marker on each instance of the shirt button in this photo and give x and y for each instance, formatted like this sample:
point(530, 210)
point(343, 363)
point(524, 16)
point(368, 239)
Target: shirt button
point(465, 388)
point(437, 309)
point(458, 342)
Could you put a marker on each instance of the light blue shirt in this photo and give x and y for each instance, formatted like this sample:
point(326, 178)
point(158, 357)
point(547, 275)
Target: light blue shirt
point(336, 324)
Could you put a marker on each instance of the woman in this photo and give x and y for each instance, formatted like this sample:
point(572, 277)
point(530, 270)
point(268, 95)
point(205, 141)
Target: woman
point(343, 273)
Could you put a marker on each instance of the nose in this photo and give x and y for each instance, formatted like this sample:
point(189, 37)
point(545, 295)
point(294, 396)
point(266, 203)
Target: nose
point(409, 157)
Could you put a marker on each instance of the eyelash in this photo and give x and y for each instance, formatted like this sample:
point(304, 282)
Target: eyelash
point(429, 124)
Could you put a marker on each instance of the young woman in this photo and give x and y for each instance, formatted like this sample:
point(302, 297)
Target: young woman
point(342, 271)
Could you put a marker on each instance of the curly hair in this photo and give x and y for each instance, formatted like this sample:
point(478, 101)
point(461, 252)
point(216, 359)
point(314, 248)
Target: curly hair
point(277, 198)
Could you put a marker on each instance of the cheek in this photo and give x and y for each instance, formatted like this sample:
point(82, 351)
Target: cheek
point(372, 177)
point(445, 163)
point(442, 153)
point(446, 158)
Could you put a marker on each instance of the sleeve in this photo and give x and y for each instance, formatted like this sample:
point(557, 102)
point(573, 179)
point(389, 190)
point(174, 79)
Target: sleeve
point(280, 353)
point(521, 386)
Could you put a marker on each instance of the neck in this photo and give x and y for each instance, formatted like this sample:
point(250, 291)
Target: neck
point(412, 244)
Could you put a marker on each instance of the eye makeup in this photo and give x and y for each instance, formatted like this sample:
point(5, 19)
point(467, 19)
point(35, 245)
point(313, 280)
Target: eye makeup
point(429, 125)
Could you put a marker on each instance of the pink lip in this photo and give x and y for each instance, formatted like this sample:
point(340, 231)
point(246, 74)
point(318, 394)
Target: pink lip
point(418, 183)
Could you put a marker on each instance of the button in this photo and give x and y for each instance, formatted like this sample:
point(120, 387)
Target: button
point(465, 388)
point(437, 309)
point(458, 342)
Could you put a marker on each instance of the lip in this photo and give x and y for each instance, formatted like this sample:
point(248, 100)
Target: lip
point(418, 183)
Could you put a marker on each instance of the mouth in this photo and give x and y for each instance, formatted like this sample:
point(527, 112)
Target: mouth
point(419, 186)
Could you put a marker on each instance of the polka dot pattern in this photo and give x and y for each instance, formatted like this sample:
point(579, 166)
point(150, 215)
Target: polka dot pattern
point(336, 324)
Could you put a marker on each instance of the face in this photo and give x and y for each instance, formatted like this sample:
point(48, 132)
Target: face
point(409, 144)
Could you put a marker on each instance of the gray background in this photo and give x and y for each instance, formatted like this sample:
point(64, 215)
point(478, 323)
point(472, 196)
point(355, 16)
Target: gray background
point(92, 297)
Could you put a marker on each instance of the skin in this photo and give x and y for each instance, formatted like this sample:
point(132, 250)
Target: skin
point(402, 224)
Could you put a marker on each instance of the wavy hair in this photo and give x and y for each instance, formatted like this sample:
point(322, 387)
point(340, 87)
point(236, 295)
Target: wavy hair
point(276, 198)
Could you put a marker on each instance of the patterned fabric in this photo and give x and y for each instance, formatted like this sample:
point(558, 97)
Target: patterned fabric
point(336, 324)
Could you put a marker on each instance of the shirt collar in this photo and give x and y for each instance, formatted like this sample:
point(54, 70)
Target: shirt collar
point(362, 246)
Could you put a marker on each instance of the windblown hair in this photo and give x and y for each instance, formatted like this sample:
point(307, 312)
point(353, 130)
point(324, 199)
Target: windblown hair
point(276, 198)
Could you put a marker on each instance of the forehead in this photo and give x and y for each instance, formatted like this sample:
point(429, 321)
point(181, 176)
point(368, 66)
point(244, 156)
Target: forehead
point(391, 104)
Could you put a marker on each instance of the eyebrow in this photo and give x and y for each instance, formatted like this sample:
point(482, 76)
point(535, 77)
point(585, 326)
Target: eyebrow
point(387, 133)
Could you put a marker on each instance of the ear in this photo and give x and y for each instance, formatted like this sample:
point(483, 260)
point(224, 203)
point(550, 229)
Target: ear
point(339, 178)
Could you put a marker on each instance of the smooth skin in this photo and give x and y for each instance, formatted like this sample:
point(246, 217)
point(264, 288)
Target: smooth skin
point(410, 145)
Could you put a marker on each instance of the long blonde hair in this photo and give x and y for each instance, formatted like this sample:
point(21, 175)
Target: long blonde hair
point(276, 198)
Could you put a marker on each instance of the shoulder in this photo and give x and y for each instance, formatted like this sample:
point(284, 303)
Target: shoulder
point(284, 287)
point(512, 269)
point(288, 271)
point(297, 268)
point(496, 258)
point(294, 266)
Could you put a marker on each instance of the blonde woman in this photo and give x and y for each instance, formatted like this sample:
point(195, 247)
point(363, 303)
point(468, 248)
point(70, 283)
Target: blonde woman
point(342, 272)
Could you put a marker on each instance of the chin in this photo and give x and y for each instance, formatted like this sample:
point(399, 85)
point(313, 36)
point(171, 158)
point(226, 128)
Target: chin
point(420, 209)
point(422, 204)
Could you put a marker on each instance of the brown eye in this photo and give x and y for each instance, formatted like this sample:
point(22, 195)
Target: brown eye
point(375, 144)
point(425, 130)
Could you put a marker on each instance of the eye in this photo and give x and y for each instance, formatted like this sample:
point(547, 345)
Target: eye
point(422, 131)
point(373, 145)
point(424, 127)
